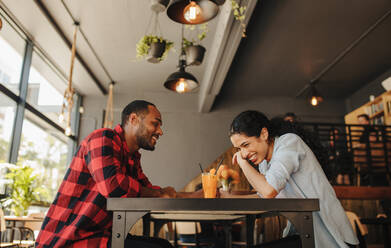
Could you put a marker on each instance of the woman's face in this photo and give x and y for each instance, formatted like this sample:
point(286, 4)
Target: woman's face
point(254, 149)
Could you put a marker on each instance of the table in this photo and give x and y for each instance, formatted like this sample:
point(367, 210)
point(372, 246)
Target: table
point(126, 212)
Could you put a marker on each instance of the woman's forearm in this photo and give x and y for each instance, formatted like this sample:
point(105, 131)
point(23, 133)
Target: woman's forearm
point(258, 181)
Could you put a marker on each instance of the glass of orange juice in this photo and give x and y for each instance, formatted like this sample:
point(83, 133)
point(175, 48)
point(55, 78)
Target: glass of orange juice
point(209, 185)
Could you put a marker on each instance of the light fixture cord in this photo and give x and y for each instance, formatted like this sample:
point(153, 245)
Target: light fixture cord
point(182, 56)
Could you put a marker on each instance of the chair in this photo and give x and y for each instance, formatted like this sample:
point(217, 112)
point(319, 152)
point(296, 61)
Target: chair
point(2, 232)
point(359, 229)
point(30, 230)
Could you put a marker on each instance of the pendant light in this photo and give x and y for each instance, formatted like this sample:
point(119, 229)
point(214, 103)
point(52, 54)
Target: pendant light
point(315, 97)
point(181, 81)
point(193, 11)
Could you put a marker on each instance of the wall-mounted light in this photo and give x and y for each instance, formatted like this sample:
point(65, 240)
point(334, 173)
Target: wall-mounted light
point(315, 97)
point(193, 11)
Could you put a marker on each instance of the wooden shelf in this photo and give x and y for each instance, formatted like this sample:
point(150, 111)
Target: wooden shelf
point(381, 112)
point(381, 104)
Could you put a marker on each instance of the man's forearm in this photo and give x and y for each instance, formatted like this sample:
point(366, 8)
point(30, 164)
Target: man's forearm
point(148, 192)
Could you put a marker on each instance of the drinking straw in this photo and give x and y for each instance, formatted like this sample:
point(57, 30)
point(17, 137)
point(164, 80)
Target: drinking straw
point(218, 166)
point(202, 171)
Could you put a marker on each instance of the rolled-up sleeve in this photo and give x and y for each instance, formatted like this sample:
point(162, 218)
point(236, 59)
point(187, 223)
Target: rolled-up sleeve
point(105, 167)
point(285, 161)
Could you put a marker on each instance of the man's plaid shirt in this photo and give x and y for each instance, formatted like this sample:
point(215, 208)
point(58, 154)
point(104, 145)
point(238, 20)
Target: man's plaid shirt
point(101, 168)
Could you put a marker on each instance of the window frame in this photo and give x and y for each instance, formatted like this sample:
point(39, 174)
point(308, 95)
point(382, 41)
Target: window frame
point(20, 99)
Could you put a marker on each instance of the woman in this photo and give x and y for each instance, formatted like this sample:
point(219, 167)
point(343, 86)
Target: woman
point(288, 169)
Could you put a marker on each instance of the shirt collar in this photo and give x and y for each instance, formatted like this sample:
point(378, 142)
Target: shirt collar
point(121, 134)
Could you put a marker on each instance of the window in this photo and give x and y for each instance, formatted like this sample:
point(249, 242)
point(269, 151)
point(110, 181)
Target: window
point(7, 115)
point(45, 89)
point(11, 51)
point(45, 149)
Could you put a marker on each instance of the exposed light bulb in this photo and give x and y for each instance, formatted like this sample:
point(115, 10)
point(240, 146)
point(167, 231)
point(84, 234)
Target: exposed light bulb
point(314, 101)
point(68, 131)
point(192, 12)
point(61, 118)
point(181, 86)
point(81, 110)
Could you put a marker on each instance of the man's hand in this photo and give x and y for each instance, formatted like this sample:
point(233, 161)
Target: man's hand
point(168, 192)
point(196, 194)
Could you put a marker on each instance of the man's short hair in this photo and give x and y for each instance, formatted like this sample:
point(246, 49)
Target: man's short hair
point(365, 116)
point(138, 107)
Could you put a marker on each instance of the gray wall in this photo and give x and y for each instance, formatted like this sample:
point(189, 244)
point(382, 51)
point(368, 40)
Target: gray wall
point(191, 137)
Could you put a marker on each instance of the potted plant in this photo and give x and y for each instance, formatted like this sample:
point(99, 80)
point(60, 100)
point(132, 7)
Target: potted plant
point(153, 48)
point(25, 190)
point(194, 51)
point(239, 15)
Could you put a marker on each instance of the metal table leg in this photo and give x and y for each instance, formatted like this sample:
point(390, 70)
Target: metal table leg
point(122, 222)
point(303, 223)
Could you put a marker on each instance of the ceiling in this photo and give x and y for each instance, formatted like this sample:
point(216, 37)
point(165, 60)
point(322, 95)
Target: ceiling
point(106, 42)
point(291, 43)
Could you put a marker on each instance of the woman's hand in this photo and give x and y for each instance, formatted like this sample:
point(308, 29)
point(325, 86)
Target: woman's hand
point(238, 159)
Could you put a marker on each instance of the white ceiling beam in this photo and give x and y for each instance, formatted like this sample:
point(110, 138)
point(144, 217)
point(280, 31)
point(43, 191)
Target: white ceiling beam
point(222, 53)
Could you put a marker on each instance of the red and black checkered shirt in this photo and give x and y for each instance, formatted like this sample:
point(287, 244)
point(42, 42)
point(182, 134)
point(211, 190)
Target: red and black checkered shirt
point(102, 167)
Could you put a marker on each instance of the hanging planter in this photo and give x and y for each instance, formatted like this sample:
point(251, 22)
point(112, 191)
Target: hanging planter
point(153, 48)
point(193, 50)
point(194, 54)
point(156, 51)
point(159, 5)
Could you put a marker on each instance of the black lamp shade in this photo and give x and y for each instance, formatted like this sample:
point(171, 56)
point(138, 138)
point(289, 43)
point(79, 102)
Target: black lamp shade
point(181, 82)
point(314, 96)
point(208, 10)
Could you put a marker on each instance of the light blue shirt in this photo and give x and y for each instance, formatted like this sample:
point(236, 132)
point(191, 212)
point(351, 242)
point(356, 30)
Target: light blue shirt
point(295, 172)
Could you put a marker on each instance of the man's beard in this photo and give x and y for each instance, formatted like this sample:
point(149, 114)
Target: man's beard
point(143, 139)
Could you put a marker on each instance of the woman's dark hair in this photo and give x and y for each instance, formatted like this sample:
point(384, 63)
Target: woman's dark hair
point(137, 106)
point(250, 123)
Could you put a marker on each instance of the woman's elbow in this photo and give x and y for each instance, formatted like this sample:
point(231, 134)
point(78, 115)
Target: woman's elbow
point(270, 194)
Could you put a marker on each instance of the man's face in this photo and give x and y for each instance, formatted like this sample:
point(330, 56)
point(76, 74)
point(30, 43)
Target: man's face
point(363, 121)
point(149, 129)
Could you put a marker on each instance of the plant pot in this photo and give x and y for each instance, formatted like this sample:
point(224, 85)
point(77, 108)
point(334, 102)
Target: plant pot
point(159, 5)
point(219, 2)
point(194, 55)
point(156, 52)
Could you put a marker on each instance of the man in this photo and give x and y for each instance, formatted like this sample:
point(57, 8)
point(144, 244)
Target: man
point(369, 134)
point(107, 164)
